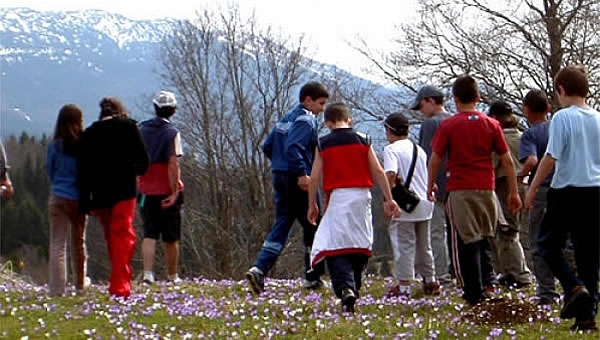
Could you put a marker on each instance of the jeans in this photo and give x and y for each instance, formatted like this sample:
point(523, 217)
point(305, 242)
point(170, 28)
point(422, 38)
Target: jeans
point(546, 287)
point(291, 204)
point(439, 242)
point(573, 210)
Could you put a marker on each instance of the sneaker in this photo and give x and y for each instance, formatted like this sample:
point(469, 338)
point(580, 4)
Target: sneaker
point(431, 288)
point(585, 325)
point(174, 278)
point(256, 278)
point(313, 285)
point(578, 299)
point(398, 291)
point(348, 300)
point(148, 278)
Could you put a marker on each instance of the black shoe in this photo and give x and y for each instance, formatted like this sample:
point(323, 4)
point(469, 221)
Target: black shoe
point(545, 301)
point(509, 281)
point(256, 279)
point(585, 325)
point(348, 300)
point(579, 299)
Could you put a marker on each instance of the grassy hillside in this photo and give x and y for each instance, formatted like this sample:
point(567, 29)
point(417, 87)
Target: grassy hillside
point(205, 309)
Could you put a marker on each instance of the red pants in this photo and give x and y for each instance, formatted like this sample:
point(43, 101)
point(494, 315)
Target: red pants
point(120, 241)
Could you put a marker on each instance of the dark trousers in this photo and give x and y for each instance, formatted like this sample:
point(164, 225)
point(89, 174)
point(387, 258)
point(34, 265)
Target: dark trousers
point(573, 210)
point(346, 272)
point(474, 269)
point(291, 204)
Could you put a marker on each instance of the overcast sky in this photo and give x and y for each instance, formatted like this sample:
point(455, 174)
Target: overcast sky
point(327, 24)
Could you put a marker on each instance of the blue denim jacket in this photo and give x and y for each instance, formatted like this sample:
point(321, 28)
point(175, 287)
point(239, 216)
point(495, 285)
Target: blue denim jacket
point(291, 144)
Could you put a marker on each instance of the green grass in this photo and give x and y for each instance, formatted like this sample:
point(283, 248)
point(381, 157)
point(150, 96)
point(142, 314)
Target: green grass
point(226, 310)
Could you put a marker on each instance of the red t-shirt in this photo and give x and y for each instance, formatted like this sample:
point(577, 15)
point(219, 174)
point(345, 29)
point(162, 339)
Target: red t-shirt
point(469, 138)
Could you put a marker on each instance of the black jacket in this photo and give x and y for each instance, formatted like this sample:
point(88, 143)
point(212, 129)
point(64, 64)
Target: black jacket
point(112, 154)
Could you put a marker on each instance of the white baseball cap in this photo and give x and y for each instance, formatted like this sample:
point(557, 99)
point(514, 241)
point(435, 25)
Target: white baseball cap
point(165, 99)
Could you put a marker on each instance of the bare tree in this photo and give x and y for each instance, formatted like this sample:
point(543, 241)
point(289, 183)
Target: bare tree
point(509, 46)
point(234, 80)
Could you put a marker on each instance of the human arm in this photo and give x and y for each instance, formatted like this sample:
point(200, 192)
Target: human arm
point(299, 142)
point(513, 199)
point(542, 172)
point(435, 162)
point(390, 165)
point(390, 207)
point(7, 188)
point(173, 169)
point(313, 186)
point(267, 147)
point(141, 160)
point(529, 164)
point(527, 153)
point(84, 172)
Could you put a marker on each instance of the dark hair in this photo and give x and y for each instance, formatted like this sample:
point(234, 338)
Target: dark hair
point(165, 111)
point(314, 90)
point(503, 113)
point(536, 101)
point(112, 106)
point(574, 81)
point(397, 124)
point(337, 112)
point(465, 89)
point(68, 129)
point(437, 100)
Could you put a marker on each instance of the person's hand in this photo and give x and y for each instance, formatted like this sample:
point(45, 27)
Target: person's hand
point(313, 213)
point(303, 182)
point(391, 208)
point(514, 202)
point(529, 197)
point(7, 188)
point(431, 193)
point(169, 201)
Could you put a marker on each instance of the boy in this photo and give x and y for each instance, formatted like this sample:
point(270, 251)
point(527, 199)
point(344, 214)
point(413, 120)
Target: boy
point(290, 146)
point(348, 165)
point(468, 139)
point(573, 197)
point(161, 187)
point(534, 142)
point(112, 154)
point(430, 102)
point(409, 233)
point(510, 257)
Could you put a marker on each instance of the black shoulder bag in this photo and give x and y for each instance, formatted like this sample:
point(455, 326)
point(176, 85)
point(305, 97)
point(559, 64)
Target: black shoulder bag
point(402, 194)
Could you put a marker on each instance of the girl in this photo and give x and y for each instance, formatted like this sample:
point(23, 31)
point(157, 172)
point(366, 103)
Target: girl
point(63, 205)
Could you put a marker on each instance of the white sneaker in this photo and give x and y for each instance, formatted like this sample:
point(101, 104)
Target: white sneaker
point(174, 278)
point(87, 281)
point(148, 278)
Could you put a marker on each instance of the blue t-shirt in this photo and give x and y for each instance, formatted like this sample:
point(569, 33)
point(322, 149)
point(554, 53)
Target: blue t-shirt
point(534, 142)
point(575, 145)
point(62, 171)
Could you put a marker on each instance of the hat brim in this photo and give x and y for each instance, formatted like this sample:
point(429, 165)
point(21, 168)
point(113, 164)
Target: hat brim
point(414, 105)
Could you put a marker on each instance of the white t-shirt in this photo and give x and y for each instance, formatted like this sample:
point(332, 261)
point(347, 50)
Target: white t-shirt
point(397, 158)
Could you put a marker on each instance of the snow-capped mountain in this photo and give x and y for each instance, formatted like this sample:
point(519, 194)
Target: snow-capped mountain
point(49, 59)
point(52, 58)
